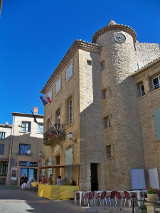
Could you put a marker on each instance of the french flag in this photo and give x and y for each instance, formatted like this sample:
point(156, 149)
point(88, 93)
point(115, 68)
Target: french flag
point(46, 100)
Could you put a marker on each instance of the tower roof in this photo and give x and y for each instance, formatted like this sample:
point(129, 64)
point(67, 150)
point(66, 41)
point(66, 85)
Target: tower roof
point(112, 25)
point(111, 22)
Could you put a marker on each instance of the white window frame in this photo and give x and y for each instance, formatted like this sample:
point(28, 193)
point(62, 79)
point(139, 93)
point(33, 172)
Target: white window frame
point(40, 128)
point(58, 85)
point(69, 71)
point(158, 85)
point(26, 126)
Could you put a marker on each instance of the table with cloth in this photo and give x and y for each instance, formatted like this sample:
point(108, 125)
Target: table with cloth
point(34, 184)
point(57, 192)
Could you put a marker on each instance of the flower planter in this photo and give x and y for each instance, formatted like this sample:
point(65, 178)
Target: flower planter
point(152, 197)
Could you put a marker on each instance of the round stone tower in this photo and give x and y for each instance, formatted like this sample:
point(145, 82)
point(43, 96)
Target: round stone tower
point(119, 55)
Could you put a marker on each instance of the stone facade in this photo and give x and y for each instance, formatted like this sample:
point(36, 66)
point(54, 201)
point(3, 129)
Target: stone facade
point(112, 132)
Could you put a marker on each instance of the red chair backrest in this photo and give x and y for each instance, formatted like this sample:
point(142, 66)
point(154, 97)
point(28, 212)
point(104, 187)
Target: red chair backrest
point(127, 195)
point(103, 195)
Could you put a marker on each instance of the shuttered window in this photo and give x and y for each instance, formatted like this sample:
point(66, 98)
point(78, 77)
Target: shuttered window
point(58, 85)
point(69, 72)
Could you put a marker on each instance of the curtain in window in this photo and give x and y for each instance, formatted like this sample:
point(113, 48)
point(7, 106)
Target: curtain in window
point(24, 149)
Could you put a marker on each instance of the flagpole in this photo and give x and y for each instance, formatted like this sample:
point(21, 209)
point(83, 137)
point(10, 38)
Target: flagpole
point(53, 126)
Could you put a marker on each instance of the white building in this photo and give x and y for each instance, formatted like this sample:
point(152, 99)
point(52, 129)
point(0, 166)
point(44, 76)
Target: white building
point(23, 146)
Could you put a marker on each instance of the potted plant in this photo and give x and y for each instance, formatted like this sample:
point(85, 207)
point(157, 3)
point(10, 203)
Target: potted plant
point(153, 194)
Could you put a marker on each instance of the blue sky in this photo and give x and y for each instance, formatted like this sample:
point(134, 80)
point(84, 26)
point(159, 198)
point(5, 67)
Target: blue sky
point(35, 34)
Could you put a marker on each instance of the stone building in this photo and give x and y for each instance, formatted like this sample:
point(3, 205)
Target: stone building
point(102, 129)
point(22, 147)
point(5, 131)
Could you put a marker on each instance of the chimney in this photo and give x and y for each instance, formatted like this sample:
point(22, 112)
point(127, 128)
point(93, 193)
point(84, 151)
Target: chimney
point(35, 110)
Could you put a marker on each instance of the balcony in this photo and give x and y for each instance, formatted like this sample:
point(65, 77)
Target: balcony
point(54, 134)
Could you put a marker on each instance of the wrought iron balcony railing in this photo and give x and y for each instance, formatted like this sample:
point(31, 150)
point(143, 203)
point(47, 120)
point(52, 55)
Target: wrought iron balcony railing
point(56, 133)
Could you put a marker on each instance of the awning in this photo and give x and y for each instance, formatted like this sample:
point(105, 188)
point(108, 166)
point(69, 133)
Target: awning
point(58, 166)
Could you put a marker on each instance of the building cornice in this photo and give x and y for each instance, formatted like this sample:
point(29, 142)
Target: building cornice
point(114, 27)
point(26, 115)
point(78, 44)
point(147, 66)
point(6, 125)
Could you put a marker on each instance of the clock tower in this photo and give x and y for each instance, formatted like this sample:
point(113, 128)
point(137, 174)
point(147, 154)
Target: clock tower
point(118, 53)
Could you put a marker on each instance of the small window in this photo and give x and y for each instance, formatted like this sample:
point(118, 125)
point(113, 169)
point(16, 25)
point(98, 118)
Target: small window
point(156, 82)
point(58, 116)
point(104, 94)
point(102, 63)
point(1, 149)
point(2, 135)
point(24, 149)
point(108, 151)
point(69, 110)
point(40, 128)
point(69, 72)
point(58, 85)
point(89, 62)
point(107, 121)
point(140, 89)
point(25, 126)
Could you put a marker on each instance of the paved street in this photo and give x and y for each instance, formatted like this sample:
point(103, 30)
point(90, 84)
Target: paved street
point(14, 200)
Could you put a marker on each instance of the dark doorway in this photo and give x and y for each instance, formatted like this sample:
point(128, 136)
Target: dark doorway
point(94, 176)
